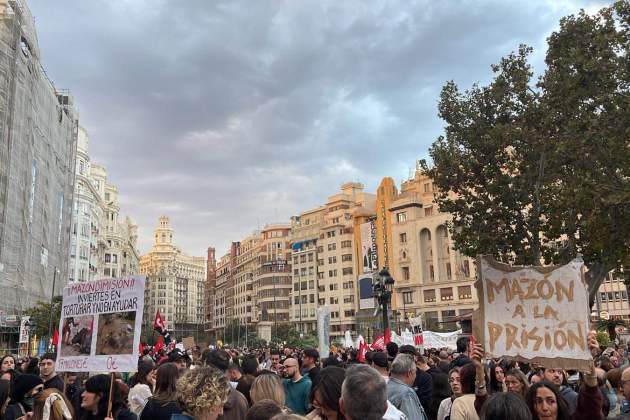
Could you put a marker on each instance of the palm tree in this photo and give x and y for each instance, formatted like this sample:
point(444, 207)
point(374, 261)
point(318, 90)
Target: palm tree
point(610, 325)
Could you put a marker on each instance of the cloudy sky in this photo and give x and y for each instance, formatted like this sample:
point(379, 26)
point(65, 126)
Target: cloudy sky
point(227, 115)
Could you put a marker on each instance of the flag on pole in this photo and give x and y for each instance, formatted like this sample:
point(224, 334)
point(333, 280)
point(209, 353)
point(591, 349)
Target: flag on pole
point(378, 343)
point(159, 344)
point(158, 324)
point(363, 349)
point(55, 338)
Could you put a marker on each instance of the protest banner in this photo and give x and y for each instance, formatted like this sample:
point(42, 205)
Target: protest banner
point(100, 325)
point(534, 314)
point(189, 342)
point(436, 340)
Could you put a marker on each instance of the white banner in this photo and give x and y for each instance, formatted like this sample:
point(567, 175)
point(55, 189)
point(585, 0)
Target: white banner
point(24, 330)
point(100, 325)
point(436, 340)
point(538, 314)
point(369, 259)
point(323, 331)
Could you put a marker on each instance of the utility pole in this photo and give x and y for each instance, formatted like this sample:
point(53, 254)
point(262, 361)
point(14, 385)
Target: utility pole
point(52, 297)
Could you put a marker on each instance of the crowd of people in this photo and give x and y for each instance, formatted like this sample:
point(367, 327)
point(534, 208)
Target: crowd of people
point(396, 383)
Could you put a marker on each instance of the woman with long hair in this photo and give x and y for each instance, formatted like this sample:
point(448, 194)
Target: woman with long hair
point(5, 389)
point(268, 386)
point(516, 382)
point(456, 391)
point(95, 397)
point(163, 403)
point(325, 394)
point(7, 363)
point(441, 391)
point(141, 384)
point(497, 377)
point(51, 404)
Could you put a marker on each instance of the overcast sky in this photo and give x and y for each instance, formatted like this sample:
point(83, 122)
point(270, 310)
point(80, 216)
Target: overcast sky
point(227, 115)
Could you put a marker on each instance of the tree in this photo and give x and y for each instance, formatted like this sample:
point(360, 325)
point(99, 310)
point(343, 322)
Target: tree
point(610, 326)
point(40, 316)
point(537, 172)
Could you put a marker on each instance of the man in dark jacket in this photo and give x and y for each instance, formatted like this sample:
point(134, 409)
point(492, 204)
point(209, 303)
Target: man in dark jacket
point(463, 350)
point(47, 372)
point(424, 382)
point(310, 361)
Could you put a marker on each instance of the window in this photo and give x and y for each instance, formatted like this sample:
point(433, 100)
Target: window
point(311, 298)
point(330, 234)
point(603, 296)
point(429, 295)
point(296, 287)
point(464, 292)
point(334, 300)
point(332, 287)
point(346, 244)
point(346, 257)
point(115, 258)
point(295, 260)
point(446, 293)
point(405, 273)
point(332, 273)
point(303, 271)
point(332, 247)
point(310, 257)
point(320, 249)
point(108, 258)
point(403, 238)
point(311, 284)
point(302, 258)
point(428, 211)
point(427, 187)
point(407, 297)
point(431, 273)
point(303, 285)
point(320, 262)
point(448, 271)
point(349, 313)
point(332, 260)
point(401, 217)
point(466, 268)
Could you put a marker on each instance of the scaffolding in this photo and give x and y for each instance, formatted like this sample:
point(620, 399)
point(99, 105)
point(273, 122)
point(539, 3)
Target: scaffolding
point(38, 139)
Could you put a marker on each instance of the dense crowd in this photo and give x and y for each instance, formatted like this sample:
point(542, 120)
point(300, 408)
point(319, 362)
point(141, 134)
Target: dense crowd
point(396, 383)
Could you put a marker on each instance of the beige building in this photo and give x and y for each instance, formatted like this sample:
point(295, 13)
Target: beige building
point(432, 278)
point(613, 298)
point(175, 285)
point(245, 266)
point(305, 232)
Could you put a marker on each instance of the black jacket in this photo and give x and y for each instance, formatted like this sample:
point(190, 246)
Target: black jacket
point(424, 388)
point(54, 382)
point(157, 410)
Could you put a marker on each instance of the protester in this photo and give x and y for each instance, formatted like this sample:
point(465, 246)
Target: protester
point(497, 378)
point(202, 394)
point(444, 363)
point(7, 363)
point(310, 359)
point(558, 378)
point(516, 382)
point(236, 405)
point(250, 368)
point(10, 375)
point(463, 407)
point(463, 350)
point(95, 397)
point(47, 372)
point(234, 374)
point(423, 383)
point(381, 364)
point(263, 410)
point(441, 391)
point(399, 390)
point(51, 404)
point(296, 387)
point(456, 391)
point(22, 395)
point(325, 394)
point(142, 384)
point(5, 390)
point(364, 396)
point(268, 386)
point(163, 403)
point(501, 406)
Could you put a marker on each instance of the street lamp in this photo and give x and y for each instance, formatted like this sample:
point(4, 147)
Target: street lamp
point(382, 288)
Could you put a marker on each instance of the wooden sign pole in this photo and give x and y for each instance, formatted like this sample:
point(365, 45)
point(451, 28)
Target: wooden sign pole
point(111, 393)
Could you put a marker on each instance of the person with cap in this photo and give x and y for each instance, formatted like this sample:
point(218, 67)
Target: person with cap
point(380, 363)
point(423, 383)
point(47, 372)
point(178, 358)
point(310, 360)
point(23, 393)
point(236, 405)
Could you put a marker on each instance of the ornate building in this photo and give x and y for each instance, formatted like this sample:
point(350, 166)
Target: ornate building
point(175, 285)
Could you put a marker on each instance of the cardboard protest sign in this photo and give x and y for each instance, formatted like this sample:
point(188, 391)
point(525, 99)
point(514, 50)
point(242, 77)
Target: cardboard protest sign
point(100, 325)
point(189, 342)
point(534, 314)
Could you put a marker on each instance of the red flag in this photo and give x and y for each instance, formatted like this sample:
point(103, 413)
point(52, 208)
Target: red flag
point(418, 340)
point(159, 344)
point(388, 335)
point(158, 324)
point(378, 343)
point(55, 337)
point(140, 348)
point(363, 348)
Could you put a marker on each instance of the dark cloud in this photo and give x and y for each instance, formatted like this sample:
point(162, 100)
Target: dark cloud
point(227, 115)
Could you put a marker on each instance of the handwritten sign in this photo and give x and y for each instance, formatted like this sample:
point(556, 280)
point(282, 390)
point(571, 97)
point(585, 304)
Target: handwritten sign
point(100, 325)
point(535, 314)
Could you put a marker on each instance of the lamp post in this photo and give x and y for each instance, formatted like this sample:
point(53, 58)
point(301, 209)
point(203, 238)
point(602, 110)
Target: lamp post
point(52, 309)
point(383, 286)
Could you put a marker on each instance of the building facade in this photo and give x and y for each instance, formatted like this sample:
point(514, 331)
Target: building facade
point(612, 300)
point(431, 278)
point(101, 245)
point(38, 143)
point(175, 285)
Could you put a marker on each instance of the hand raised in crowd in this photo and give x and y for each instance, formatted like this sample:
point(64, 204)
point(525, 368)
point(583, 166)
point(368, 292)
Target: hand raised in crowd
point(590, 378)
point(593, 345)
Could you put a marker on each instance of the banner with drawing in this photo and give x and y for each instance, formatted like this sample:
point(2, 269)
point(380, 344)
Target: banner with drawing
point(100, 325)
point(534, 314)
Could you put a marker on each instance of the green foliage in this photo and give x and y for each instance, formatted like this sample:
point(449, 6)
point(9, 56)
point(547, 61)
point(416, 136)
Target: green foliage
point(538, 171)
point(603, 339)
point(286, 333)
point(40, 316)
point(609, 325)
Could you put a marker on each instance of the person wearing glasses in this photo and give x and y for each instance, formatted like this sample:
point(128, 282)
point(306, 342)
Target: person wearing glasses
point(296, 387)
point(24, 390)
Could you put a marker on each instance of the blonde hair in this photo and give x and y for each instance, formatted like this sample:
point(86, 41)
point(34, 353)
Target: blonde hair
point(202, 388)
point(267, 386)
